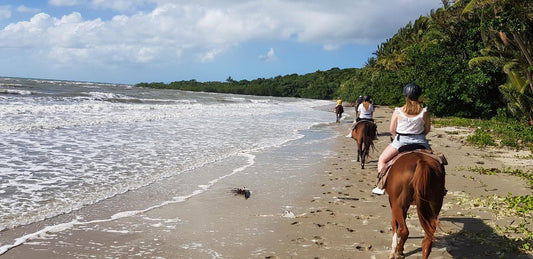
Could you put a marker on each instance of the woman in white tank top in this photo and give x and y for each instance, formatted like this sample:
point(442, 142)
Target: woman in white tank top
point(409, 125)
point(365, 110)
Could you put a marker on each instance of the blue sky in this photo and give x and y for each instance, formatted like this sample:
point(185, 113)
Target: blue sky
point(132, 41)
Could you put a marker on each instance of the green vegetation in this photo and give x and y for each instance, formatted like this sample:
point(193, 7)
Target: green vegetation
point(521, 204)
point(496, 131)
point(515, 237)
point(519, 236)
point(528, 175)
point(318, 85)
point(473, 59)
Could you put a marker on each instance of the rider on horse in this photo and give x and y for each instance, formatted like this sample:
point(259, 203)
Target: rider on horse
point(409, 125)
point(365, 110)
point(339, 109)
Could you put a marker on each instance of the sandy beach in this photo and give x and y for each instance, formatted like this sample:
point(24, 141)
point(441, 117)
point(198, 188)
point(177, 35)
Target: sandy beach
point(320, 206)
point(344, 220)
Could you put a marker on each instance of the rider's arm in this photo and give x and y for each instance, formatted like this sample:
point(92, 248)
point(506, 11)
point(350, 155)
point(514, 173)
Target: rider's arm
point(427, 123)
point(393, 123)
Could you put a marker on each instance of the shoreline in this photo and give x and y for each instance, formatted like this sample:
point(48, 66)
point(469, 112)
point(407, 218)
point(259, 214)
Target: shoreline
point(316, 204)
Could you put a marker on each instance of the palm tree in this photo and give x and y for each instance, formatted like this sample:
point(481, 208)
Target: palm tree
point(519, 96)
point(512, 22)
point(509, 26)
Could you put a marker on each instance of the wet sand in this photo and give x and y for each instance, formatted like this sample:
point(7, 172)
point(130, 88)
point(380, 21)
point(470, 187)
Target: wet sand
point(318, 205)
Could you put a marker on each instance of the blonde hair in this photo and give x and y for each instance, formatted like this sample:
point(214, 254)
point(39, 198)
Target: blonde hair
point(412, 107)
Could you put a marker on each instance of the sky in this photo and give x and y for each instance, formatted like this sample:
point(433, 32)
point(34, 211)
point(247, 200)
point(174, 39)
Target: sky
point(133, 41)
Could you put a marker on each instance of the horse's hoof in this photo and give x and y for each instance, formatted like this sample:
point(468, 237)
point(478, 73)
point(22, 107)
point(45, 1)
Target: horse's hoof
point(396, 256)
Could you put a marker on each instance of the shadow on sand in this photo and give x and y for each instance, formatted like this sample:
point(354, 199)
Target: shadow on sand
point(472, 238)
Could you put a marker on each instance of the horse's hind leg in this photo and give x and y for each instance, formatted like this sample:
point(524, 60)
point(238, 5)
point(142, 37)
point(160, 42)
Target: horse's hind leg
point(361, 154)
point(364, 155)
point(426, 245)
point(363, 158)
point(401, 232)
point(359, 147)
point(394, 243)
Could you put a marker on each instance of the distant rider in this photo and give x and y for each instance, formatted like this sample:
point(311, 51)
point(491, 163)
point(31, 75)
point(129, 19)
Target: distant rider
point(339, 109)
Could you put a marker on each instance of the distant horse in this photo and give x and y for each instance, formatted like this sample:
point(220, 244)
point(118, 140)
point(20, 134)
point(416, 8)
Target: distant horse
point(418, 179)
point(338, 112)
point(364, 133)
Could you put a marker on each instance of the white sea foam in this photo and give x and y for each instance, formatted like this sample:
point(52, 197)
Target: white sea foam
point(123, 214)
point(64, 149)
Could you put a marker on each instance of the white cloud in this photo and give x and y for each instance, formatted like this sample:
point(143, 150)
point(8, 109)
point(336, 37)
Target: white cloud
point(270, 56)
point(209, 55)
point(204, 29)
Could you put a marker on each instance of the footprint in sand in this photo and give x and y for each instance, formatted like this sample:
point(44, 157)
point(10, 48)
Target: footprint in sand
point(364, 247)
point(318, 241)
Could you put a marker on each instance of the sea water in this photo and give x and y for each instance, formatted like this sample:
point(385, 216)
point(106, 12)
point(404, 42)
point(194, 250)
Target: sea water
point(66, 145)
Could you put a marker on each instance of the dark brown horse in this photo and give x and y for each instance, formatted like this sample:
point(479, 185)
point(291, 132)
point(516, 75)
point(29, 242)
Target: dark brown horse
point(338, 113)
point(417, 179)
point(364, 133)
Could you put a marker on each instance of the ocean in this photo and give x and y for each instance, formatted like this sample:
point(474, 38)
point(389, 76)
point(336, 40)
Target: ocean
point(70, 147)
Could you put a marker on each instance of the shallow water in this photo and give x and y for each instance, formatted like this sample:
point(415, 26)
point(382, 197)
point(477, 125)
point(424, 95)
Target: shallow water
point(68, 145)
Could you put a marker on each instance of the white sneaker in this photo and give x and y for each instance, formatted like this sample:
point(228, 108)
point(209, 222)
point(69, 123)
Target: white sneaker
point(378, 191)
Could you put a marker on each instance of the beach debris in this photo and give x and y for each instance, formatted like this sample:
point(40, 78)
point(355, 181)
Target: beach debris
point(242, 191)
point(288, 214)
point(348, 198)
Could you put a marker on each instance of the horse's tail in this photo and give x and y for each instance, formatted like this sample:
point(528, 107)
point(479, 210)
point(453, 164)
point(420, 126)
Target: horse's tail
point(369, 135)
point(428, 185)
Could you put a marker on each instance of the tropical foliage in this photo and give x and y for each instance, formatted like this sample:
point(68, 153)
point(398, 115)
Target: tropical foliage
point(317, 85)
point(473, 59)
point(498, 131)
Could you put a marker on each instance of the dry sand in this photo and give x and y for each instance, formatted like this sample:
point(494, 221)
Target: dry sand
point(344, 220)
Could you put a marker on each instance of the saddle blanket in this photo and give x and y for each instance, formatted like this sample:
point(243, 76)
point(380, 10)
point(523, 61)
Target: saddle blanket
point(382, 176)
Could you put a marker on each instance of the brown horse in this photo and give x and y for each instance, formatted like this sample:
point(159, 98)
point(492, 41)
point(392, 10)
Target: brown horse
point(338, 113)
point(364, 133)
point(417, 179)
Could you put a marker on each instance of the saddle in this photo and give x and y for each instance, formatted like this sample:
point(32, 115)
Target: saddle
point(360, 121)
point(413, 148)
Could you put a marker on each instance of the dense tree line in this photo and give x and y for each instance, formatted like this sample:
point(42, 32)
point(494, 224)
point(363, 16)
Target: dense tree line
point(317, 85)
point(473, 59)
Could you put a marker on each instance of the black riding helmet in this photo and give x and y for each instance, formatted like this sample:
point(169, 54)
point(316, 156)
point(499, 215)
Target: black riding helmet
point(366, 98)
point(412, 91)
